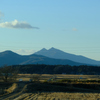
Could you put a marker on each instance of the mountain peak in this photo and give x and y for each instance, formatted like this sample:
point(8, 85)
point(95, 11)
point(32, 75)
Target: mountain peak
point(52, 48)
point(7, 51)
point(43, 49)
point(59, 54)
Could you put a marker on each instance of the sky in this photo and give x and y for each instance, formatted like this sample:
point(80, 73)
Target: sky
point(73, 26)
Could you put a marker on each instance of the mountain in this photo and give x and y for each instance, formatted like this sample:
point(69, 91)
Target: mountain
point(58, 54)
point(11, 58)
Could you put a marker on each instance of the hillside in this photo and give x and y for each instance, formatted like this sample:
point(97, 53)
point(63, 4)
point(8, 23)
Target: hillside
point(58, 54)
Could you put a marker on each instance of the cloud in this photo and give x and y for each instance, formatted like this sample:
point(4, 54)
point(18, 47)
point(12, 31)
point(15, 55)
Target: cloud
point(74, 29)
point(25, 52)
point(16, 24)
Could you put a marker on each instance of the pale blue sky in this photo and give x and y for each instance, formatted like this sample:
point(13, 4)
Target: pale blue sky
point(73, 26)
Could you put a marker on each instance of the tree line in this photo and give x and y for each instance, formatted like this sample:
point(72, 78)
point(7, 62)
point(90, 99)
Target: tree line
point(9, 73)
point(58, 69)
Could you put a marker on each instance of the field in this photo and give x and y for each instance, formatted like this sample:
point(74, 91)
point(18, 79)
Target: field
point(50, 87)
point(58, 96)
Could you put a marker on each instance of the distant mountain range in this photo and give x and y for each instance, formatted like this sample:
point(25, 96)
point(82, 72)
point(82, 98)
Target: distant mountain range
point(58, 54)
point(11, 58)
point(50, 57)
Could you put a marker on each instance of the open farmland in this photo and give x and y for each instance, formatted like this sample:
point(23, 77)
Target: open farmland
point(43, 77)
point(54, 89)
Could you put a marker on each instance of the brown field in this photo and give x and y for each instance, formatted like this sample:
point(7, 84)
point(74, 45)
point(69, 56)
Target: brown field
point(58, 96)
point(52, 90)
point(26, 77)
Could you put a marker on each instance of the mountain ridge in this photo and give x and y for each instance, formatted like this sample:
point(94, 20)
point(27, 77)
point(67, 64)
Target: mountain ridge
point(11, 58)
point(59, 54)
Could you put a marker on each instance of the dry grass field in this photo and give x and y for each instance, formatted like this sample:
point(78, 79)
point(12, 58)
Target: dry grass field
point(26, 77)
point(44, 90)
point(59, 96)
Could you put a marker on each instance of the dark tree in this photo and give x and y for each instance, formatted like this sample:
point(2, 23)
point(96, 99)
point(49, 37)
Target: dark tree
point(8, 73)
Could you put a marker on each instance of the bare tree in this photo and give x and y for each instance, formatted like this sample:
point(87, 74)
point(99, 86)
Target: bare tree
point(8, 73)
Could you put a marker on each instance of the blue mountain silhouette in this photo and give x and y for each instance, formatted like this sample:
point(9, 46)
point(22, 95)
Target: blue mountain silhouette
point(58, 54)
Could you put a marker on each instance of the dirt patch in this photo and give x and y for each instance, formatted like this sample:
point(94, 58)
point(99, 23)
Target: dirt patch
point(12, 88)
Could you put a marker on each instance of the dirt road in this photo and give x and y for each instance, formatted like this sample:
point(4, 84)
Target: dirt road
point(18, 91)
